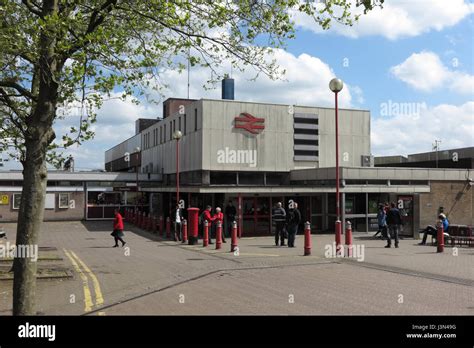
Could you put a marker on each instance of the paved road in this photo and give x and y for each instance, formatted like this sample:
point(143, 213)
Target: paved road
point(151, 276)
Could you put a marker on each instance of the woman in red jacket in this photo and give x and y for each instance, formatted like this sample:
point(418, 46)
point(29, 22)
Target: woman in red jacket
point(219, 216)
point(118, 229)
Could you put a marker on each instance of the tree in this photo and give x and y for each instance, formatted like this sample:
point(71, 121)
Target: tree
point(57, 53)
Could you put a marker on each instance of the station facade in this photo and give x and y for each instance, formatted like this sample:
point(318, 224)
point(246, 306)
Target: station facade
point(257, 154)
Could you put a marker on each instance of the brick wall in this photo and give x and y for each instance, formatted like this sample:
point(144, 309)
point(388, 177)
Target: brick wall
point(455, 197)
point(11, 215)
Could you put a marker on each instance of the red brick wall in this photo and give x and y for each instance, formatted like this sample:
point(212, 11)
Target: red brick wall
point(455, 197)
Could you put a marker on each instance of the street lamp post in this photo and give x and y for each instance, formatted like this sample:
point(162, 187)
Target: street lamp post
point(336, 86)
point(137, 152)
point(177, 135)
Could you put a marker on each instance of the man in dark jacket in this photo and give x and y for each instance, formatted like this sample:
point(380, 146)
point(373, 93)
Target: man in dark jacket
point(293, 219)
point(394, 220)
point(279, 217)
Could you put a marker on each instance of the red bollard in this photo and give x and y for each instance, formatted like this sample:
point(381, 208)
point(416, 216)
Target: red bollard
point(349, 238)
point(153, 224)
point(307, 238)
point(205, 234)
point(233, 244)
point(338, 237)
point(162, 231)
point(440, 239)
point(185, 231)
point(219, 235)
point(168, 228)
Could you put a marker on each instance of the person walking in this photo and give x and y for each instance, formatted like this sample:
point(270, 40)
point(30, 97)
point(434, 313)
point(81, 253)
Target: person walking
point(219, 216)
point(279, 217)
point(382, 221)
point(230, 213)
point(178, 221)
point(394, 220)
point(293, 219)
point(207, 217)
point(118, 229)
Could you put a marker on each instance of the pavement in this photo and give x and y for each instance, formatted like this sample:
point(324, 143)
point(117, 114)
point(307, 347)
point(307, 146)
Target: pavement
point(152, 276)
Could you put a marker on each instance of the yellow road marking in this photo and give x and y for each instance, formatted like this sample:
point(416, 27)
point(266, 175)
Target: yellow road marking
point(87, 293)
point(101, 313)
point(98, 293)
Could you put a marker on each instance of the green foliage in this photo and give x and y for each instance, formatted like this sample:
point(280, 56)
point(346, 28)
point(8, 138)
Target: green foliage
point(88, 48)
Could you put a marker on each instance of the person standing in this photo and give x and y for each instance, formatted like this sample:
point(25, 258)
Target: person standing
point(230, 213)
point(279, 217)
point(219, 216)
point(118, 229)
point(293, 219)
point(207, 217)
point(178, 220)
point(394, 220)
point(382, 221)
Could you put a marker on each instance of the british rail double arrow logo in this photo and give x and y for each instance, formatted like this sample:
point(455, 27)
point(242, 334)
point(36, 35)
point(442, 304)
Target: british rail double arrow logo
point(250, 123)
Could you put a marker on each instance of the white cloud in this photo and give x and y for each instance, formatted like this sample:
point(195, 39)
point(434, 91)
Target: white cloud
point(402, 134)
point(424, 71)
point(399, 18)
point(306, 83)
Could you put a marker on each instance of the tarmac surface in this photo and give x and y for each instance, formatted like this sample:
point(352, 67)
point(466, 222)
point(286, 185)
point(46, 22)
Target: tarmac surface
point(152, 276)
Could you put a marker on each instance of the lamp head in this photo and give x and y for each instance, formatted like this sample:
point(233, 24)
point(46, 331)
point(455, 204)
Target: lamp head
point(336, 85)
point(177, 135)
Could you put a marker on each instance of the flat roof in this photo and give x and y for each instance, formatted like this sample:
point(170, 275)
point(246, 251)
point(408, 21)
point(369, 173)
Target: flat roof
point(280, 104)
point(83, 176)
point(382, 173)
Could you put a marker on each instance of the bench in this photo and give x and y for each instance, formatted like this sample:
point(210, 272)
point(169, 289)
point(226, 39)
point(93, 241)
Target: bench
point(460, 235)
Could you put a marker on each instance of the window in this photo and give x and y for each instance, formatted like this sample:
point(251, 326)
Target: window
point(16, 201)
point(161, 135)
point(179, 123)
point(171, 132)
point(49, 202)
point(63, 200)
point(184, 130)
point(195, 119)
point(164, 135)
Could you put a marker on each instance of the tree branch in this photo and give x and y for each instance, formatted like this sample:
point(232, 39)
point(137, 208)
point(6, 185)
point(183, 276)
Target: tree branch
point(97, 18)
point(31, 7)
point(23, 91)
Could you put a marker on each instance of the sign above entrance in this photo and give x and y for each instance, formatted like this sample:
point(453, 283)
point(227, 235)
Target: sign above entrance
point(250, 123)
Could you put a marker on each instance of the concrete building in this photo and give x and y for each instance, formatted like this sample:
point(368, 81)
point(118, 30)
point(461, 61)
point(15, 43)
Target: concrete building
point(257, 154)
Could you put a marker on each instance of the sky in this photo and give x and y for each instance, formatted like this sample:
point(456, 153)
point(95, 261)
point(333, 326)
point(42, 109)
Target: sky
point(411, 64)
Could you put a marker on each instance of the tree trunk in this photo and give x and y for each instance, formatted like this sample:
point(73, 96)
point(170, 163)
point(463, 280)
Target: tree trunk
point(29, 223)
point(37, 139)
